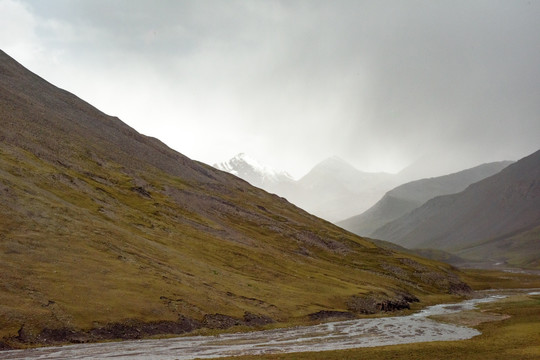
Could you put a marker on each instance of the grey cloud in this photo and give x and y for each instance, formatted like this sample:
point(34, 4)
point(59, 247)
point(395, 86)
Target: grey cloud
point(366, 80)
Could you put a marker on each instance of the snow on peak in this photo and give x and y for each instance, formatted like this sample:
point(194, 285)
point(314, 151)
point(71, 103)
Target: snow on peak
point(249, 169)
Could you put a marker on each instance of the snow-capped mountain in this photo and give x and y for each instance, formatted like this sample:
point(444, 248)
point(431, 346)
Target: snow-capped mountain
point(255, 173)
point(333, 189)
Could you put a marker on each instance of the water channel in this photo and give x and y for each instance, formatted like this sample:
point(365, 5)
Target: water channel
point(328, 336)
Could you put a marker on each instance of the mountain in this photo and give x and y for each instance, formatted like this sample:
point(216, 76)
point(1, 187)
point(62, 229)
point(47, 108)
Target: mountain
point(257, 174)
point(405, 198)
point(496, 219)
point(333, 189)
point(106, 233)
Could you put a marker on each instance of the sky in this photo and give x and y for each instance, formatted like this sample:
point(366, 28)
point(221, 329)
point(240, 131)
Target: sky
point(442, 85)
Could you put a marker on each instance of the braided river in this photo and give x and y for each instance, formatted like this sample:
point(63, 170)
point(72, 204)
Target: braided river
point(347, 334)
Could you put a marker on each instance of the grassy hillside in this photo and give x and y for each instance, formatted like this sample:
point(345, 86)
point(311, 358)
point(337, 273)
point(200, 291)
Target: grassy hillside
point(103, 230)
point(521, 249)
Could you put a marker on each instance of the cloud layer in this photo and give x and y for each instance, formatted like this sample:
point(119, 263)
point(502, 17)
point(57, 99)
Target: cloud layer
point(378, 83)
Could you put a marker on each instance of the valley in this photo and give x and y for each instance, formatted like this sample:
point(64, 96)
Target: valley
point(110, 234)
point(114, 244)
point(408, 196)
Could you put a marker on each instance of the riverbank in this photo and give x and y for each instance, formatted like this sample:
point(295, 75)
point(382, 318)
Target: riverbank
point(418, 327)
point(510, 328)
point(328, 339)
point(514, 335)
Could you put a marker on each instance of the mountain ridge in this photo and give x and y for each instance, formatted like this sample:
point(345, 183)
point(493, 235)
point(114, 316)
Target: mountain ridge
point(406, 197)
point(333, 189)
point(494, 209)
point(107, 234)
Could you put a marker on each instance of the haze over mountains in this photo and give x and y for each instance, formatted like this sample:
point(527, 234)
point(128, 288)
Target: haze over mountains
point(333, 189)
point(107, 233)
point(495, 220)
point(407, 197)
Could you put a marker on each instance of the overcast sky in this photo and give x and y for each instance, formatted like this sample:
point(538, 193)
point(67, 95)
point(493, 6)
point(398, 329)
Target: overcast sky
point(381, 84)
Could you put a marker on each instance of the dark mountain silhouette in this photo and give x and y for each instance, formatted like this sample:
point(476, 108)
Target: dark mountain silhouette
point(106, 233)
point(496, 219)
point(407, 197)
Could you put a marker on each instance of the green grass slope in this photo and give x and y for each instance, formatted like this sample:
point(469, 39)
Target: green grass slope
point(520, 249)
point(100, 225)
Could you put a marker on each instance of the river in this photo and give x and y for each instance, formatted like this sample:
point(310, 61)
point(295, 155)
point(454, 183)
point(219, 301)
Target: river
point(328, 336)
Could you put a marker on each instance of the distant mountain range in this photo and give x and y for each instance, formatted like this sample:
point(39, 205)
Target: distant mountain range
point(407, 197)
point(333, 189)
point(494, 220)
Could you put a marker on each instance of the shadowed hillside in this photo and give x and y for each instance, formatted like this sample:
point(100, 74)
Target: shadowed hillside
point(407, 197)
point(496, 219)
point(106, 233)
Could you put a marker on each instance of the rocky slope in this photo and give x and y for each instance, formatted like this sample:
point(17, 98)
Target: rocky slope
point(106, 233)
point(407, 197)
